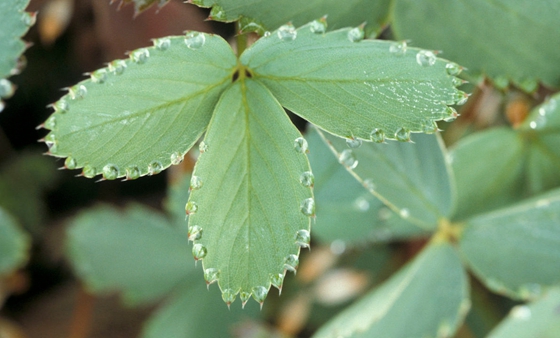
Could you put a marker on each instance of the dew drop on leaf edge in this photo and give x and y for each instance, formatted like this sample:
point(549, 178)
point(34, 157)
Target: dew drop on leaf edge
point(356, 34)
point(303, 238)
point(211, 275)
point(348, 159)
point(199, 251)
point(300, 145)
point(291, 263)
point(307, 207)
point(191, 208)
point(398, 48)
point(196, 182)
point(194, 233)
point(426, 58)
point(110, 172)
point(195, 40)
point(228, 295)
point(260, 293)
point(70, 163)
point(287, 33)
point(155, 168)
point(307, 179)
point(132, 172)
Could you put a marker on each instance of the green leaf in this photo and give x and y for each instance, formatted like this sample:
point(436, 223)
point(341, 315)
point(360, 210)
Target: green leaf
point(142, 5)
point(197, 312)
point(353, 88)
point(346, 210)
point(412, 179)
point(14, 23)
point(515, 250)
point(505, 50)
point(13, 244)
point(262, 15)
point(501, 165)
point(429, 295)
point(135, 252)
point(139, 116)
point(538, 319)
point(177, 195)
point(247, 201)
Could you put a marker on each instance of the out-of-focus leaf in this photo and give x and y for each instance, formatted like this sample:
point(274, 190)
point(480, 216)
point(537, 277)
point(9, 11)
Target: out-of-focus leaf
point(135, 252)
point(137, 117)
point(346, 210)
point(411, 178)
point(496, 167)
point(515, 251)
point(13, 243)
point(251, 203)
point(194, 311)
point(432, 290)
point(23, 181)
point(262, 15)
point(354, 88)
point(504, 39)
point(539, 319)
point(14, 23)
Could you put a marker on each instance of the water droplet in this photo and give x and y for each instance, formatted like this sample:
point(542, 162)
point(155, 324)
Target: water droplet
point(398, 48)
point(217, 13)
point(176, 158)
point(353, 142)
point(155, 168)
point(132, 173)
point(426, 58)
point(303, 238)
point(429, 126)
point(196, 183)
point(461, 97)
point(361, 204)
point(244, 296)
point(194, 233)
point(228, 295)
point(267, 34)
point(521, 312)
point(377, 136)
point(456, 82)
point(29, 19)
point(348, 159)
point(287, 33)
point(51, 142)
point(300, 145)
point(199, 251)
point(61, 106)
point(78, 92)
point(307, 207)
point(195, 40)
point(405, 213)
point(453, 69)
point(291, 263)
point(202, 147)
point(211, 275)
point(260, 293)
point(162, 44)
point(318, 26)
point(7, 89)
point(277, 280)
point(356, 34)
point(50, 123)
point(369, 185)
point(70, 163)
point(99, 76)
point(117, 67)
point(140, 56)
point(110, 172)
point(89, 171)
point(533, 125)
point(191, 208)
point(402, 135)
point(447, 114)
point(307, 179)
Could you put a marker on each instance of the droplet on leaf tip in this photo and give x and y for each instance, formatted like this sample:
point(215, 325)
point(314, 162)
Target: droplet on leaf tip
point(199, 251)
point(426, 58)
point(176, 158)
point(318, 26)
point(194, 233)
point(356, 34)
point(162, 44)
point(303, 238)
point(195, 40)
point(211, 275)
point(402, 135)
point(70, 163)
point(155, 168)
point(291, 263)
point(377, 135)
point(140, 56)
point(300, 145)
point(196, 182)
point(89, 171)
point(132, 173)
point(191, 208)
point(307, 207)
point(307, 179)
point(398, 48)
point(110, 172)
point(287, 33)
point(353, 142)
point(453, 69)
point(259, 294)
point(228, 295)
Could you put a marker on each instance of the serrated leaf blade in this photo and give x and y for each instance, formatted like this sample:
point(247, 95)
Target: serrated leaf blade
point(140, 116)
point(250, 197)
point(14, 22)
point(432, 289)
point(494, 38)
point(514, 250)
point(352, 88)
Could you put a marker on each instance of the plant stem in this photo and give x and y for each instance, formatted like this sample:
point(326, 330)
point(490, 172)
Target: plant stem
point(241, 40)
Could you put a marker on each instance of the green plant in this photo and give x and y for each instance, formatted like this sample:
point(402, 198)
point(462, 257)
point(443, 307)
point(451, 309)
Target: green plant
point(489, 205)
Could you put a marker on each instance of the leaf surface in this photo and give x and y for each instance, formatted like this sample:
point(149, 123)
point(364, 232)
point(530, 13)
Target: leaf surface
point(248, 203)
point(139, 116)
point(537, 319)
point(14, 23)
point(346, 210)
point(135, 252)
point(514, 250)
point(264, 15)
point(413, 179)
point(507, 49)
point(351, 87)
point(13, 243)
point(502, 165)
point(432, 289)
